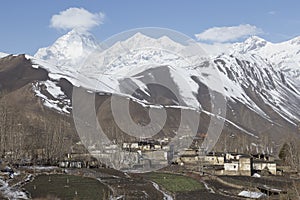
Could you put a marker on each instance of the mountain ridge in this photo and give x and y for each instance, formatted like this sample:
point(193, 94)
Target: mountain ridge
point(286, 55)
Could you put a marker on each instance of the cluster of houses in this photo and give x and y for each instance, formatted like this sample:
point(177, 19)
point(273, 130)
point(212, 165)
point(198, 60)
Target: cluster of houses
point(158, 153)
point(147, 145)
point(219, 163)
point(148, 153)
point(78, 161)
point(139, 154)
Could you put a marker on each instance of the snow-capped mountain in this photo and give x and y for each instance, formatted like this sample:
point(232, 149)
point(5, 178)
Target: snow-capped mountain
point(286, 55)
point(69, 50)
point(261, 98)
point(257, 91)
point(98, 73)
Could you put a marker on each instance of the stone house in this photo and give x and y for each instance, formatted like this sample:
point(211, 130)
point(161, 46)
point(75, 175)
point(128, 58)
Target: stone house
point(130, 146)
point(188, 156)
point(231, 167)
point(71, 164)
point(240, 166)
point(245, 165)
point(261, 165)
point(214, 158)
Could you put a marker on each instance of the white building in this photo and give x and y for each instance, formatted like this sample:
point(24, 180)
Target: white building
point(231, 167)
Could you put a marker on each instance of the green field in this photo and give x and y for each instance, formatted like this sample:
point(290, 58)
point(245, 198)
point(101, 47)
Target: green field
point(67, 187)
point(175, 183)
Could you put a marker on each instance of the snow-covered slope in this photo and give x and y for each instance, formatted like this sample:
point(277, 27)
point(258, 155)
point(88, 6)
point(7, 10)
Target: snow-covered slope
point(242, 77)
point(134, 51)
point(285, 55)
point(234, 73)
point(247, 74)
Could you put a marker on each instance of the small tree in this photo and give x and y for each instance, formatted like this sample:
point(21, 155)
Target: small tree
point(284, 151)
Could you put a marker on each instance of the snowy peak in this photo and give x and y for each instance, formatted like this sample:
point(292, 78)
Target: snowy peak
point(255, 39)
point(3, 55)
point(139, 37)
point(69, 49)
point(253, 43)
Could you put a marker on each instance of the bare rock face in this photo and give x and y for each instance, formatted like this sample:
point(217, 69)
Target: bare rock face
point(17, 71)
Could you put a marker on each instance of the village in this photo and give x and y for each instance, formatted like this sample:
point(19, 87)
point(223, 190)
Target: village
point(217, 170)
point(151, 154)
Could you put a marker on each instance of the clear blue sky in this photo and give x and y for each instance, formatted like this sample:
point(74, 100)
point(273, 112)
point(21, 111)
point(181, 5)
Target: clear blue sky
point(25, 24)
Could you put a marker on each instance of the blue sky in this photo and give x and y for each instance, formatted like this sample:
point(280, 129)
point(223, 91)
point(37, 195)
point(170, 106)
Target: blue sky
point(26, 27)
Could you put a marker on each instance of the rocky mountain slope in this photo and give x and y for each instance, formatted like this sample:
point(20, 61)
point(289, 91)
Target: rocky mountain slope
point(27, 126)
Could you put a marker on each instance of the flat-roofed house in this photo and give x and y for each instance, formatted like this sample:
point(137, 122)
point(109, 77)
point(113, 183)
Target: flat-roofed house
point(214, 158)
point(261, 165)
point(242, 165)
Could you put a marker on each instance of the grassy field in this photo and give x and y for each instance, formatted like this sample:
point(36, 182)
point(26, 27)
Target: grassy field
point(175, 183)
point(67, 187)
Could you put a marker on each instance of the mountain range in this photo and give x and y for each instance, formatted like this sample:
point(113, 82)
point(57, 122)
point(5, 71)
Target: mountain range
point(258, 82)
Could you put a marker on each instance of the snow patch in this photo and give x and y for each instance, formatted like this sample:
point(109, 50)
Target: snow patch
point(253, 195)
point(11, 192)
